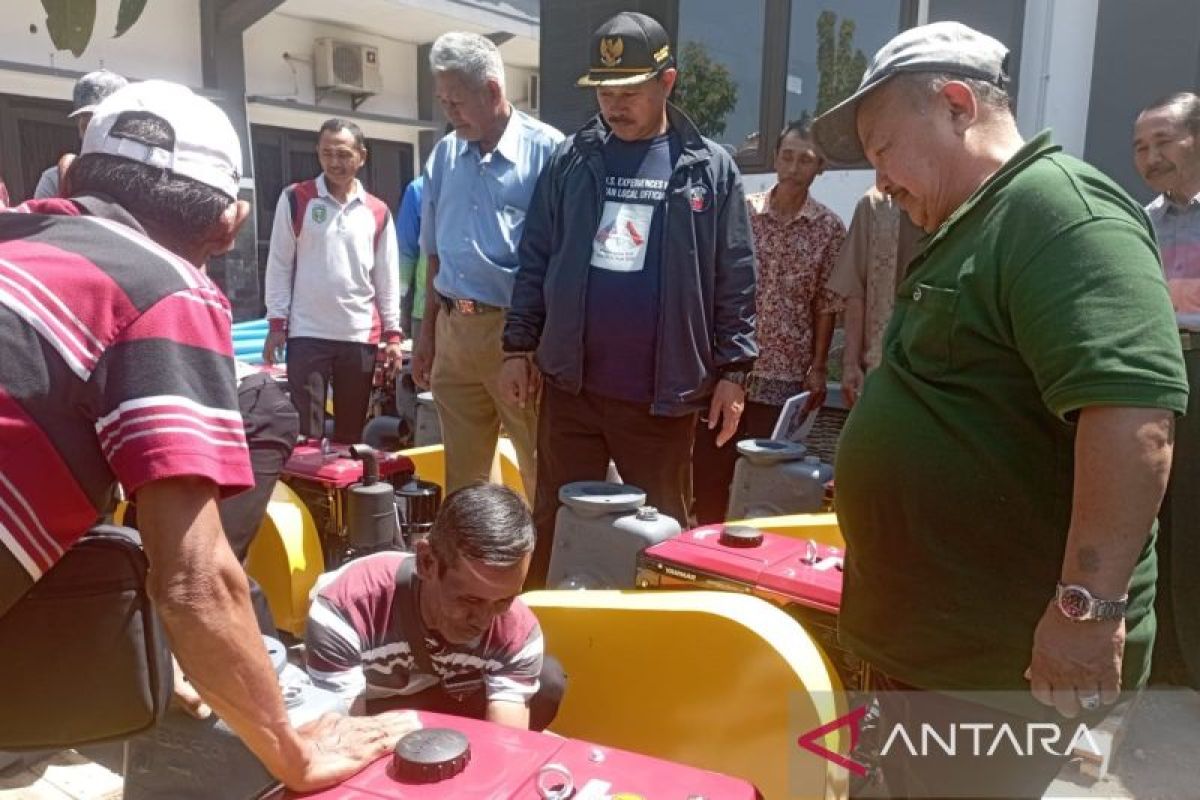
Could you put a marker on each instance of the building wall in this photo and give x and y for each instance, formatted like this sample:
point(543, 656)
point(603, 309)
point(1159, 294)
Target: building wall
point(165, 43)
point(1144, 51)
point(269, 73)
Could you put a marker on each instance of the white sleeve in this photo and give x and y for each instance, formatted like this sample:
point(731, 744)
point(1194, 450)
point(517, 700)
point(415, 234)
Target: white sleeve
point(281, 262)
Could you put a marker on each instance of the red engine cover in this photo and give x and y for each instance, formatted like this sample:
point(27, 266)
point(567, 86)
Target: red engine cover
point(781, 569)
point(337, 469)
point(505, 763)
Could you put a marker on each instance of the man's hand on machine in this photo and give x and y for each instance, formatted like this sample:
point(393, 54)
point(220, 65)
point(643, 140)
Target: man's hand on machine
point(339, 747)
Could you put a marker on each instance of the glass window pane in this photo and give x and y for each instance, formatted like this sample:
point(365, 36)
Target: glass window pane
point(830, 44)
point(720, 69)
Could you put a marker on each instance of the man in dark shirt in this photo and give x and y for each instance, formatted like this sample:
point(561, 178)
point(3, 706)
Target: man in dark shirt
point(635, 293)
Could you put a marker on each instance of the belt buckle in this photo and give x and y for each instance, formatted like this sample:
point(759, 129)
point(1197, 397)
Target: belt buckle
point(465, 306)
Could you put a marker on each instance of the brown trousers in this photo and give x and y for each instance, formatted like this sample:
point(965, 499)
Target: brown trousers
point(466, 368)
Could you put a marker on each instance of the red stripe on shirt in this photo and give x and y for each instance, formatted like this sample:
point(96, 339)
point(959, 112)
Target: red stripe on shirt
point(41, 478)
point(194, 317)
point(97, 303)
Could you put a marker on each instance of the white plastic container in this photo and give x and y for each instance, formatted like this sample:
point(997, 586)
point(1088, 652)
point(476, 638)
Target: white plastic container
point(773, 478)
point(599, 531)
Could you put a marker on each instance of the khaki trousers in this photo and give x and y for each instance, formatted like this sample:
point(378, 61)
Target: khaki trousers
point(466, 366)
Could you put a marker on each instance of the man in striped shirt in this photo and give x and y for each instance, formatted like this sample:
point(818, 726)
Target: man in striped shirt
point(118, 368)
point(478, 649)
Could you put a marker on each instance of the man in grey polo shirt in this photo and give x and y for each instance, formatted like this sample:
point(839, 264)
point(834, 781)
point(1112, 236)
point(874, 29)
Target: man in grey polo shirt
point(89, 91)
point(478, 184)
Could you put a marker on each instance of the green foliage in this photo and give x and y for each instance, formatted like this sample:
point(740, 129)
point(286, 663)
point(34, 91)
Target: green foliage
point(70, 22)
point(839, 64)
point(705, 90)
point(128, 14)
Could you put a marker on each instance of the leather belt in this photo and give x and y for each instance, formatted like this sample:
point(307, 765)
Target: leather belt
point(467, 307)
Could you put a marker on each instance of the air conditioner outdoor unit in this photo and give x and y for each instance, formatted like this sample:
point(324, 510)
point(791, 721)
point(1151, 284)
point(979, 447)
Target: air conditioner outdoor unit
point(347, 67)
point(535, 93)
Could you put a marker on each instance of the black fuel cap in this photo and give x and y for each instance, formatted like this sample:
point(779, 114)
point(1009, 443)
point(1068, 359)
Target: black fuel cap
point(431, 755)
point(740, 536)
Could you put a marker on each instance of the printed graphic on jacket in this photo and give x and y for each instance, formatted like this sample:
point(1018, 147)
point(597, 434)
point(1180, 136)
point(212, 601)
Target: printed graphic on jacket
point(620, 243)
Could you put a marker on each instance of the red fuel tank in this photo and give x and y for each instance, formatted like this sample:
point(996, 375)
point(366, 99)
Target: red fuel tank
point(732, 558)
point(336, 469)
point(799, 574)
point(502, 763)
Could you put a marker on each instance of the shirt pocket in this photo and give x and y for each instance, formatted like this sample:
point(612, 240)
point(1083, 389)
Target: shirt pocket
point(928, 326)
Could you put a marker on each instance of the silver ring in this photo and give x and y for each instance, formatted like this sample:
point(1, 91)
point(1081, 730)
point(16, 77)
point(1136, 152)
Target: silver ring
point(1089, 702)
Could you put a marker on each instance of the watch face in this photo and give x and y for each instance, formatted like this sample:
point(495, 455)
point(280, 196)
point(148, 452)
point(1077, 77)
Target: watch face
point(1074, 603)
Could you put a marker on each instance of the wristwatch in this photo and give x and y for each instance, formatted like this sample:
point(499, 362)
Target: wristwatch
point(1078, 605)
point(735, 376)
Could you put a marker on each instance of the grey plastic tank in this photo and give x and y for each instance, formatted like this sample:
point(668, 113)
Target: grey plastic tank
point(599, 531)
point(773, 478)
point(185, 758)
point(429, 427)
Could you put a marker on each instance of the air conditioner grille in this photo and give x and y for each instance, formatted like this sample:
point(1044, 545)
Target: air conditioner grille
point(347, 65)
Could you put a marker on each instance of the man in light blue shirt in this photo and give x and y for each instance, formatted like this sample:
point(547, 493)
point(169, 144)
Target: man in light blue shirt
point(478, 184)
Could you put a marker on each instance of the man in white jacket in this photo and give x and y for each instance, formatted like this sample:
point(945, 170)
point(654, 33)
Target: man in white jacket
point(333, 286)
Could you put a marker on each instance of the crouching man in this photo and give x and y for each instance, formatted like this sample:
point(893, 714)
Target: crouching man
point(441, 629)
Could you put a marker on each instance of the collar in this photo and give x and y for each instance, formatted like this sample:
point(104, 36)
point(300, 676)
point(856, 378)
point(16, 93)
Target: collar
point(809, 211)
point(356, 191)
point(1037, 147)
point(104, 207)
point(509, 145)
point(1173, 206)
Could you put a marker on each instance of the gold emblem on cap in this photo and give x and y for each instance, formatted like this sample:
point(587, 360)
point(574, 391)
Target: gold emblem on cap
point(611, 51)
point(663, 53)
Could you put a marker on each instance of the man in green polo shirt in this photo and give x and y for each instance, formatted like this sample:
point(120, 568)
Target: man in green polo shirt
point(999, 478)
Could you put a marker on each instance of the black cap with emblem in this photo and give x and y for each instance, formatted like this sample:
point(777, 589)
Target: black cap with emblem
point(629, 48)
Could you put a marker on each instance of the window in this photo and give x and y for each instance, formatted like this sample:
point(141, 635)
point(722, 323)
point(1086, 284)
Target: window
point(721, 71)
point(830, 43)
point(748, 68)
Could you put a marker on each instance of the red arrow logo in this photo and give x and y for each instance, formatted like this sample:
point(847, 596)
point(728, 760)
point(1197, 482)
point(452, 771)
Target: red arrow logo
point(853, 721)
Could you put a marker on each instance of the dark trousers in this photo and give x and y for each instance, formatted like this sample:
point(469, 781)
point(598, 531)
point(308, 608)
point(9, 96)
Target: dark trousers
point(578, 434)
point(543, 706)
point(713, 466)
point(1004, 774)
point(312, 364)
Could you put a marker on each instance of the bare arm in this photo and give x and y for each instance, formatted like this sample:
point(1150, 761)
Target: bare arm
point(1122, 461)
point(202, 595)
point(432, 304)
point(818, 374)
point(426, 346)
